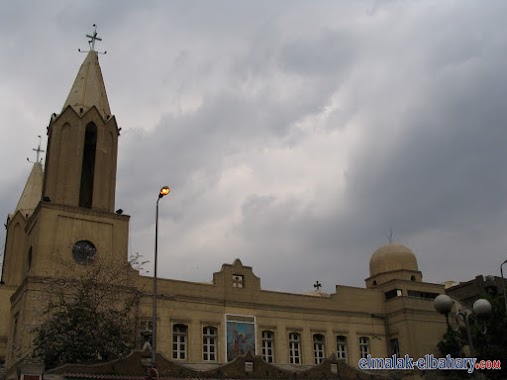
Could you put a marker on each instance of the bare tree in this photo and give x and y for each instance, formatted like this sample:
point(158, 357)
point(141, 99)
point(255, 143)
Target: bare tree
point(93, 316)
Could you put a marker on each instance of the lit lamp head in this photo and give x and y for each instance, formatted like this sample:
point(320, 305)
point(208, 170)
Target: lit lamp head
point(164, 191)
point(443, 304)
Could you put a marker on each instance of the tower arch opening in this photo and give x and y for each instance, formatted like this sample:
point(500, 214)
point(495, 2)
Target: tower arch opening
point(88, 166)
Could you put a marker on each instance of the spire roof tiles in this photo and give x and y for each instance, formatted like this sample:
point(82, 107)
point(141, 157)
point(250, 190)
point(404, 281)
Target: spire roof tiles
point(88, 89)
point(32, 192)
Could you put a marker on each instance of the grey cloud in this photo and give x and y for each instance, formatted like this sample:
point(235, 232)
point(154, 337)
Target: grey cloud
point(329, 54)
point(420, 90)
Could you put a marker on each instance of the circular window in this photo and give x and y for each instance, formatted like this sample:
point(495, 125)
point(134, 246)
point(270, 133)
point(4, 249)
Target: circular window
point(83, 252)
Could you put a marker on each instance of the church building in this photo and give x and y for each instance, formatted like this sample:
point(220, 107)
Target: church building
point(66, 215)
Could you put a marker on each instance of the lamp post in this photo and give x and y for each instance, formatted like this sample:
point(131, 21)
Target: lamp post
point(163, 192)
point(503, 285)
point(480, 310)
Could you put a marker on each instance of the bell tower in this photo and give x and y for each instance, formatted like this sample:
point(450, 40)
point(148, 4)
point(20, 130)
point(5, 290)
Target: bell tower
point(65, 219)
point(76, 219)
point(83, 145)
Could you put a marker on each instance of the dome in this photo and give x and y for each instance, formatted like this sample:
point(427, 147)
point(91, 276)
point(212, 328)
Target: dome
point(391, 257)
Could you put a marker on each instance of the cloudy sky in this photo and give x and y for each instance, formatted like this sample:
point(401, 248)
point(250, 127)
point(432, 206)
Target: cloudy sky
point(294, 134)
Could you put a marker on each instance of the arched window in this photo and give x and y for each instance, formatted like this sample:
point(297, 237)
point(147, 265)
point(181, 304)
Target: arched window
point(209, 344)
point(145, 333)
point(268, 346)
point(395, 346)
point(318, 348)
point(294, 348)
point(180, 342)
point(88, 166)
point(341, 347)
point(364, 346)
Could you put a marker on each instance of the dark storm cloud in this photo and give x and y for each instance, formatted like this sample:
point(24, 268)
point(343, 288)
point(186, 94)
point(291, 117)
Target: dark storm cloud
point(294, 135)
point(446, 166)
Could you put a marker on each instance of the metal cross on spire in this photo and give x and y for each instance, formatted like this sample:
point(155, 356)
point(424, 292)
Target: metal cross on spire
point(93, 37)
point(38, 151)
point(317, 285)
point(390, 236)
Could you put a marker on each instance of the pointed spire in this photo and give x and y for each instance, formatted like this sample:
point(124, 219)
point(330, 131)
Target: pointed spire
point(88, 89)
point(32, 192)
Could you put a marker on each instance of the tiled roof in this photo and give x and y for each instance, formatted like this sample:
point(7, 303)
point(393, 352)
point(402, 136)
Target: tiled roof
point(201, 366)
point(294, 367)
point(124, 377)
point(136, 365)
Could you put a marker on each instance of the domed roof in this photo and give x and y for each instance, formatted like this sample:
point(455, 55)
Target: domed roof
point(391, 257)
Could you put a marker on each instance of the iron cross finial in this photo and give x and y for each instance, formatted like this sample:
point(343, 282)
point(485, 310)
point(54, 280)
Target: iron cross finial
point(390, 236)
point(38, 151)
point(317, 285)
point(93, 37)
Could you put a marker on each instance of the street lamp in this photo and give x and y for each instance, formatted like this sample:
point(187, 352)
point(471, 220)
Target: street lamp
point(503, 286)
point(480, 310)
point(163, 192)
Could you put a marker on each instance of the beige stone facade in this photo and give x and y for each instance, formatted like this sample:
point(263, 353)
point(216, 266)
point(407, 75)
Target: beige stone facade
point(360, 320)
point(73, 217)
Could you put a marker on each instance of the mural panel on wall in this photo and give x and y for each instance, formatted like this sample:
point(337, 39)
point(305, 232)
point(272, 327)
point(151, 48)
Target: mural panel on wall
point(240, 338)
